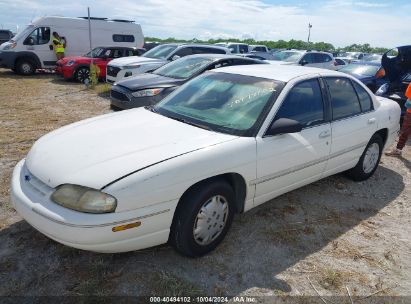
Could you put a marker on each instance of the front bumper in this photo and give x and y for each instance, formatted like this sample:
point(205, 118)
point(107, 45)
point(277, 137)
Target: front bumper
point(88, 231)
point(7, 59)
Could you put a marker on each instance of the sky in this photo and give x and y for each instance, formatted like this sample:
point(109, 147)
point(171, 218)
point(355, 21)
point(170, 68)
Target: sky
point(340, 22)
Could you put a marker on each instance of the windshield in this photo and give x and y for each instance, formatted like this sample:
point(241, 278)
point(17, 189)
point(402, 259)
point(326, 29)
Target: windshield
point(367, 70)
point(222, 102)
point(160, 51)
point(95, 53)
point(183, 68)
point(23, 33)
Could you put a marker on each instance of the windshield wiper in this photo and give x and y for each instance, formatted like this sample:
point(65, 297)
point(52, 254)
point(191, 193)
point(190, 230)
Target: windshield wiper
point(151, 108)
point(190, 123)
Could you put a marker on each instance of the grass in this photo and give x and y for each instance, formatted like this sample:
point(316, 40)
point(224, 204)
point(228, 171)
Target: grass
point(166, 283)
point(332, 279)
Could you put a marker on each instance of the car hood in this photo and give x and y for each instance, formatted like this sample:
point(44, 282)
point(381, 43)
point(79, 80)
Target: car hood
point(148, 80)
point(132, 60)
point(97, 151)
point(396, 67)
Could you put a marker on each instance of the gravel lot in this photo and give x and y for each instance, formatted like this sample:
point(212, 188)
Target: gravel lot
point(327, 238)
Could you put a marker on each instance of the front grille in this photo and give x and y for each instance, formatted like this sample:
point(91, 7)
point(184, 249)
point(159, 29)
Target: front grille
point(119, 96)
point(112, 71)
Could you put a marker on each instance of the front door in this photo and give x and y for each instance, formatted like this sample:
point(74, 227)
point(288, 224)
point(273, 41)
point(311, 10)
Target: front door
point(39, 43)
point(288, 161)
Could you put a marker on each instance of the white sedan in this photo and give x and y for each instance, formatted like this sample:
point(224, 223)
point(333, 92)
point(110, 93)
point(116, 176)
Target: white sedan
point(221, 144)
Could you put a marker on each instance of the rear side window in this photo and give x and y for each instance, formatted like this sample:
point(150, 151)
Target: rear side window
point(123, 38)
point(344, 100)
point(304, 103)
point(322, 57)
point(205, 50)
point(364, 97)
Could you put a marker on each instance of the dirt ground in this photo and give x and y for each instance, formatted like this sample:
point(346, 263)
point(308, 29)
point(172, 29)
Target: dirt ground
point(333, 237)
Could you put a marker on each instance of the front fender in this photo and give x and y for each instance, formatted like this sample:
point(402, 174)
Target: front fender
point(168, 180)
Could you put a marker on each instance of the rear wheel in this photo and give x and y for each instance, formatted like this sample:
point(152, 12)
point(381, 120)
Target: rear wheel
point(369, 160)
point(203, 217)
point(25, 67)
point(83, 74)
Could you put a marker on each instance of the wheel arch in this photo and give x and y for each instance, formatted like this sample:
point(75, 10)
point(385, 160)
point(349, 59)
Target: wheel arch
point(235, 180)
point(28, 56)
point(383, 133)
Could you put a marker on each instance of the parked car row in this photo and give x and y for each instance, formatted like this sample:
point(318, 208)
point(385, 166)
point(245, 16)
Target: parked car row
point(149, 88)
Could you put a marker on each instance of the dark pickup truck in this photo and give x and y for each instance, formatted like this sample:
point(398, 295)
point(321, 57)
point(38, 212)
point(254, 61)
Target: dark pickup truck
point(5, 35)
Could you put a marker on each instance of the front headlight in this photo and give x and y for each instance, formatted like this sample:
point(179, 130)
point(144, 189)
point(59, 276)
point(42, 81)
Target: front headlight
point(84, 199)
point(147, 93)
point(9, 46)
point(70, 63)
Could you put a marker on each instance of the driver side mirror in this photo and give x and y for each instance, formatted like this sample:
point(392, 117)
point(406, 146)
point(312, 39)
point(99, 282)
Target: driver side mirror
point(284, 126)
point(303, 62)
point(104, 57)
point(29, 41)
point(175, 57)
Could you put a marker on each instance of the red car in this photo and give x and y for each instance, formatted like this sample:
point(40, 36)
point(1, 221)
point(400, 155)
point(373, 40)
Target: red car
point(79, 67)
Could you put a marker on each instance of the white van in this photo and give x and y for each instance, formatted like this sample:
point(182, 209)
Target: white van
point(31, 49)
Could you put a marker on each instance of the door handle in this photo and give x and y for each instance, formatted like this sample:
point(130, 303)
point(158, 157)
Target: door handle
point(372, 121)
point(324, 134)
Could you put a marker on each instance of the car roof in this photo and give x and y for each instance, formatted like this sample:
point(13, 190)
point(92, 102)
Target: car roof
point(220, 56)
point(278, 72)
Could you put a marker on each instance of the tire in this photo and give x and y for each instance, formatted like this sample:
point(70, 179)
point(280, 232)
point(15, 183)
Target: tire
point(25, 67)
point(216, 197)
point(369, 160)
point(82, 74)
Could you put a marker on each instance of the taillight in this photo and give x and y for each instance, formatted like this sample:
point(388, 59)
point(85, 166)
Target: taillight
point(380, 73)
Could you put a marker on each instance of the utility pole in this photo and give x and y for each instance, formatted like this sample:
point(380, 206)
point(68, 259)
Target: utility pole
point(309, 33)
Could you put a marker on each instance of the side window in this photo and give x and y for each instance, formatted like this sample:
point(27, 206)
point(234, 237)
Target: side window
point(243, 48)
point(308, 58)
point(304, 103)
point(205, 50)
point(116, 53)
point(185, 51)
point(365, 99)
point(320, 58)
point(39, 36)
point(123, 38)
point(221, 64)
point(344, 101)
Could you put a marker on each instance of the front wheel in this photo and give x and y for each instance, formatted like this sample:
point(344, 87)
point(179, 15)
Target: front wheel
point(203, 217)
point(25, 67)
point(83, 74)
point(369, 160)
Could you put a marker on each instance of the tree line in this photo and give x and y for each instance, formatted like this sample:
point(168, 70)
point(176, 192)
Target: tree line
point(283, 44)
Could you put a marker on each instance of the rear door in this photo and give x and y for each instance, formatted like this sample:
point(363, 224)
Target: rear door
point(354, 122)
point(287, 161)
